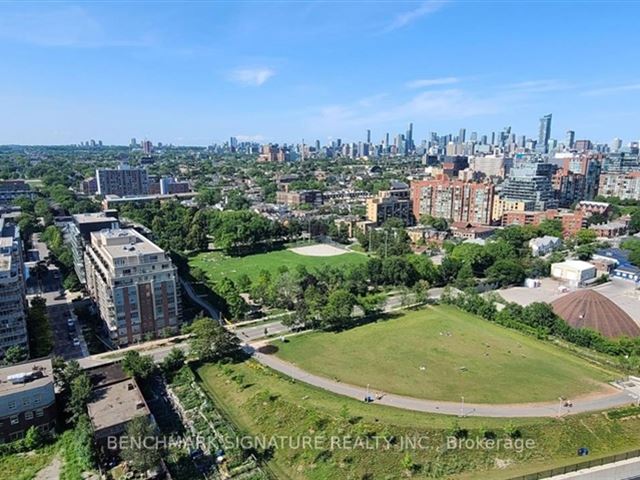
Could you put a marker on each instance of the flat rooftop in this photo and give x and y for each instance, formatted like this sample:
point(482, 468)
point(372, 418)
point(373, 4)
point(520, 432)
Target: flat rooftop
point(577, 264)
point(34, 374)
point(119, 243)
point(99, 217)
point(116, 404)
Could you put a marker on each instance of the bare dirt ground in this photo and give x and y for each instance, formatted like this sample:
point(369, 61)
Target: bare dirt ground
point(319, 250)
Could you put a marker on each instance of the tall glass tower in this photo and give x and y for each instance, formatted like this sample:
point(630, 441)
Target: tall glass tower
point(544, 133)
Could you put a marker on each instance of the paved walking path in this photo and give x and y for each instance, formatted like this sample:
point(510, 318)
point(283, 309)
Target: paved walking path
point(616, 398)
point(193, 295)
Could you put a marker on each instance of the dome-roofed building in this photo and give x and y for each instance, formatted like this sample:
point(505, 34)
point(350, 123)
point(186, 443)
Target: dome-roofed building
point(590, 309)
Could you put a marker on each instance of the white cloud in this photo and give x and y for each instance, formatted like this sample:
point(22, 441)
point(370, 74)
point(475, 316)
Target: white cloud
point(424, 9)
point(64, 27)
point(539, 86)
point(425, 106)
point(253, 77)
point(431, 82)
point(612, 90)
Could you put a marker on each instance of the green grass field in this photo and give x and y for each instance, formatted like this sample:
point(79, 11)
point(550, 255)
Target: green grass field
point(462, 355)
point(262, 402)
point(216, 265)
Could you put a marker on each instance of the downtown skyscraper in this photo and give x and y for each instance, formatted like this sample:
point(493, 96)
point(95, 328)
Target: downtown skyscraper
point(544, 133)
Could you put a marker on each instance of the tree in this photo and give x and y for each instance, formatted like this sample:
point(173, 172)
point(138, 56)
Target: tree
point(80, 392)
point(585, 236)
point(210, 341)
point(197, 237)
point(236, 307)
point(15, 354)
point(585, 252)
point(539, 315)
point(465, 278)
point(634, 222)
point(337, 312)
point(244, 283)
point(139, 366)
point(71, 282)
point(39, 328)
point(174, 361)
point(473, 255)
point(506, 272)
point(140, 452)
point(551, 227)
point(209, 197)
point(449, 269)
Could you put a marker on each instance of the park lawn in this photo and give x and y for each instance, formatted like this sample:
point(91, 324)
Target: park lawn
point(217, 266)
point(461, 355)
point(262, 402)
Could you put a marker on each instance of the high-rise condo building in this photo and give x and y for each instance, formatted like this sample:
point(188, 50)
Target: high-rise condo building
point(13, 322)
point(123, 181)
point(454, 200)
point(134, 285)
point(544, 133)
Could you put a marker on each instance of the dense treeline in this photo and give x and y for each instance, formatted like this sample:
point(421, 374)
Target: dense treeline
point(62, 256)
point(179, 228)
point(539, 319)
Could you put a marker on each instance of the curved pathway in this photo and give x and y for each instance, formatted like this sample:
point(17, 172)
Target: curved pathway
point(604, 401)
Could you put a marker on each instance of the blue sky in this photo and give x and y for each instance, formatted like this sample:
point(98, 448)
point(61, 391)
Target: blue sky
point(200, 72)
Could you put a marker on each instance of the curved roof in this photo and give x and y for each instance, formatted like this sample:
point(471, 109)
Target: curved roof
point(590, 309)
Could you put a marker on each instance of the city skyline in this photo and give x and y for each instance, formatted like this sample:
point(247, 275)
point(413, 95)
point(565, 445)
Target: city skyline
point(200, 73)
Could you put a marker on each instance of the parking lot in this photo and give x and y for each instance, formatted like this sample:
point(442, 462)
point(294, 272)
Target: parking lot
point(621, 292)
point(548, 291)
point(624, 294)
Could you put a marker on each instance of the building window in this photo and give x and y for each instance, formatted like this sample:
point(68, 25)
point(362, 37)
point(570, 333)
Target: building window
point(12, 405)
point(14, 419)
point(26, 401)
point(39, 412)
point(28, 415)
point(37, 398)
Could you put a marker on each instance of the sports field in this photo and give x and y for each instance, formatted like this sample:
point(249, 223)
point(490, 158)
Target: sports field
point(443, 353)
point(217, 265)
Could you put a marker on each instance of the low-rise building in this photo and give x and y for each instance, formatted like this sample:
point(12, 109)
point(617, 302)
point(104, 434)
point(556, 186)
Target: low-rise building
point(301, 197)
point(575, 273)
point(572, 222)
point(609, 229)
point(469, 231)
point(115, 401)
point(27, 399)
point(627, 272)
point(543, 245)
point(423, 234)
point(590, 207)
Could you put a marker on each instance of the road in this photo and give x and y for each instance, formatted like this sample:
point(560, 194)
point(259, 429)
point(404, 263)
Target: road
point(59, 309)
point(248, 334)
